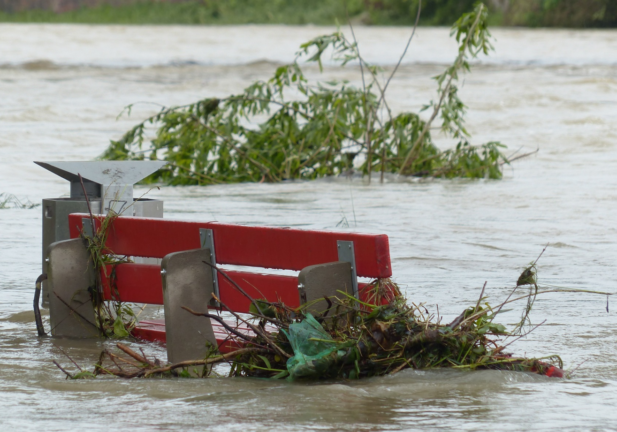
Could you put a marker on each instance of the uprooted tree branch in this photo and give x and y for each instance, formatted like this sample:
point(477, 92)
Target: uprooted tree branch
point(321, 129)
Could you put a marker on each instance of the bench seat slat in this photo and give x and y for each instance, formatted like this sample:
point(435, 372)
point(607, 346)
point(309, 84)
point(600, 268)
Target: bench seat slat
point(141, 283)
point(135, 283)
point(279, 248)
point(154, 331)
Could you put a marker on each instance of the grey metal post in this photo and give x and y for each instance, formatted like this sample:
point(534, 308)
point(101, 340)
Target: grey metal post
point(71, 276)
point(108, 184)
point(346, 254)
point(318, 281)
point(206, 237)
point(187, 282)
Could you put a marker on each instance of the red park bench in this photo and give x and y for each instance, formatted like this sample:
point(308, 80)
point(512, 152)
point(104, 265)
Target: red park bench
point(326, 262)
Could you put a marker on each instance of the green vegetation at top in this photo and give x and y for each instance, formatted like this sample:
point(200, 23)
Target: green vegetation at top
point(324, 12)
point(561, 13)
point(8, 201)
point(535, 13)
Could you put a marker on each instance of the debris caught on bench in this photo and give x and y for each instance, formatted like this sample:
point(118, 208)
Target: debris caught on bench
point(354, 339)
point(376, 333)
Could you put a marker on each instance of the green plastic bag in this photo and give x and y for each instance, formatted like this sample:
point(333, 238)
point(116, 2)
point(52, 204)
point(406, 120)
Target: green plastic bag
point(311, 357)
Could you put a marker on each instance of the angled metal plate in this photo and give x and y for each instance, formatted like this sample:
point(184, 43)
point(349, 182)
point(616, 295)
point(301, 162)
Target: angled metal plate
point(104, 172)
point(206, 237)
point(346, 253)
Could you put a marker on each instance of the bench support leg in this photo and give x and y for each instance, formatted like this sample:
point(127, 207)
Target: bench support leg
point(317, 281)
point(187, 282)
point(70, 275)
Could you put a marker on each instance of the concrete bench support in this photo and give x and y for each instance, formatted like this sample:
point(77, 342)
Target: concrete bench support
point(70, 274)
point(187, 281)
point(317, 281)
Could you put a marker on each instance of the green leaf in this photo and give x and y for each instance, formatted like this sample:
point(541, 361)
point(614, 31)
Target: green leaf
point(496, 329)
point(84, 375)
point(266, 308)
point(280, 375)
point(266, 361)
point(119, 328)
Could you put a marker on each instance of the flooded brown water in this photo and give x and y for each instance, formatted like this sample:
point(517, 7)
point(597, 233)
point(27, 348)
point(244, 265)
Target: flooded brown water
point(62, 87)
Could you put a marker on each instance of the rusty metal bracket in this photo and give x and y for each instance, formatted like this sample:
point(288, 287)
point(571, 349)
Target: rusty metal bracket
point(346, 253)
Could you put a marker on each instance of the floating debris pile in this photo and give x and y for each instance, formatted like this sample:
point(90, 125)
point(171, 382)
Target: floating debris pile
point(352, 339)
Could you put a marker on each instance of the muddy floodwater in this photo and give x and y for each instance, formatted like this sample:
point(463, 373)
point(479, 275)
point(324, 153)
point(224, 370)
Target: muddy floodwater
point(62, 87)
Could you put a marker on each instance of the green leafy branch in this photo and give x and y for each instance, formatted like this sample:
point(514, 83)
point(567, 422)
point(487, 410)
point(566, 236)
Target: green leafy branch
point(288, 128)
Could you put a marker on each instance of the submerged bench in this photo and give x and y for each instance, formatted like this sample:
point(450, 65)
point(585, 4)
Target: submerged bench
point(326, 262)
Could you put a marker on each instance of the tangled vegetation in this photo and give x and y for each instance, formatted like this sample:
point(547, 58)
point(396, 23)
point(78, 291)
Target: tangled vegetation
point(113, 318)
point(11, 201)
point(379, 337)
point(352, 339)
point(317, 130)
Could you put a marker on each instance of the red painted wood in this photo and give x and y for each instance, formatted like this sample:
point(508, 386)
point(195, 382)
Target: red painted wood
point(279, 248)
point(154, 331)
point(134, 283)
point(141, 283)
point(273, 288)
point(151, 332)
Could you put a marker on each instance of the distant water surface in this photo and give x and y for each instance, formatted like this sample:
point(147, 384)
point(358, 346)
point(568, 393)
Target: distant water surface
point(62, 87)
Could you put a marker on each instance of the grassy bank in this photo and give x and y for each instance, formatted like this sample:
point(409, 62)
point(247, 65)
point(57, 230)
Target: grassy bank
point(532, 13)
point(319, 12)
point(562, 13)
point(193, 12)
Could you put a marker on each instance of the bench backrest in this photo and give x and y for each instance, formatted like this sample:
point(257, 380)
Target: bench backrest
point(265, 247)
